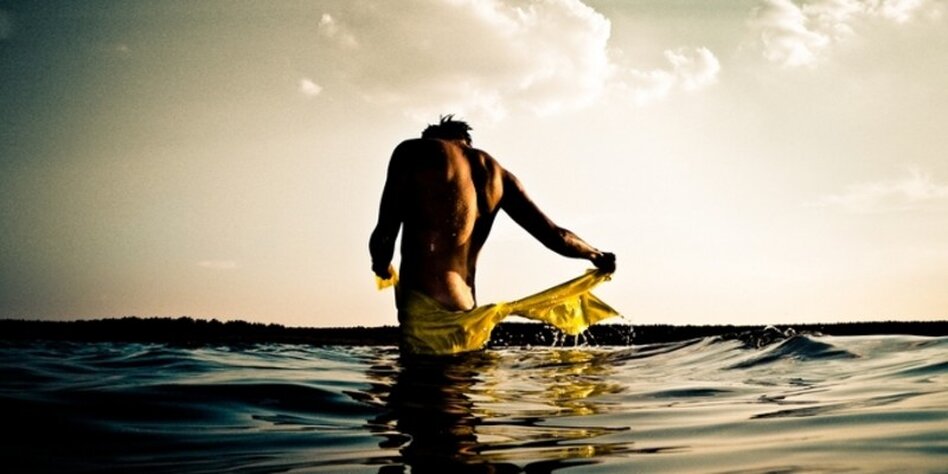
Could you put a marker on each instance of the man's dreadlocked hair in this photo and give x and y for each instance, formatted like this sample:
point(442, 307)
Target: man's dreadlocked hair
point(448, 129)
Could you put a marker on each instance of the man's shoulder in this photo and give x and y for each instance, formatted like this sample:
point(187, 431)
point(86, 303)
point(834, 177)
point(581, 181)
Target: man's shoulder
point(437, 145)
point(420, 147)
point(434, 153)
point(430, 143)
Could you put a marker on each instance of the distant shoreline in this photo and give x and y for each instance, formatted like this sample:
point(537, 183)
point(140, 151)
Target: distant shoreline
point(189, 331)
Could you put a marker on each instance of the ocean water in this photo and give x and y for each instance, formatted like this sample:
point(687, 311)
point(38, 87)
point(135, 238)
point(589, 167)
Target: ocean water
point(796, 404)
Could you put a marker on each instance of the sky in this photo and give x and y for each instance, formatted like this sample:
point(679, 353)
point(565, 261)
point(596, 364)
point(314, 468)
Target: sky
point(749, 162)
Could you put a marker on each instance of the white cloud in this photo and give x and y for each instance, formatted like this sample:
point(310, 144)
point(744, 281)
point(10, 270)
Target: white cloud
point(897, 10)
point(309, 88)
point(794, 34)
point(484, 58)
point(331, 29)
point(218, 264)
point(915, 191)
point(689, 71)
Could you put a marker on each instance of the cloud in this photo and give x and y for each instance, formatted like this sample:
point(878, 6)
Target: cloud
point(218, 264)
point(485, 58)
point(794, 34)
point(331, 29)
point(899, 11)
point(690, 70)
point(309, 88)
point(915, 191)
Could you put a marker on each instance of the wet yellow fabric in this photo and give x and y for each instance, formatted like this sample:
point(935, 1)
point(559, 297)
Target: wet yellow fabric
point(383, 283)
point(428, 328)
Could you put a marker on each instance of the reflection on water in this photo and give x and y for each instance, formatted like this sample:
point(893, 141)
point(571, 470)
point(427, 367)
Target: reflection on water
point(801, 404)
point(696, 406)
point(448, 412)
point(430, 415)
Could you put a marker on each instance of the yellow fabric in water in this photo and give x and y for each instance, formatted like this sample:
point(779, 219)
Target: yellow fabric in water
point(428, 328)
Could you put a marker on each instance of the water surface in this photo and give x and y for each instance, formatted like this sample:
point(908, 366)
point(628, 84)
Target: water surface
point(797, 404)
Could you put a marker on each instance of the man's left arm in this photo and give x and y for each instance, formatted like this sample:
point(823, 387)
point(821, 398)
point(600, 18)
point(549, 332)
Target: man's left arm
point(525, 213)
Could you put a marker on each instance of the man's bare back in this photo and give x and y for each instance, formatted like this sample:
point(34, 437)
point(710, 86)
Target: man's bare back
point(445, 195)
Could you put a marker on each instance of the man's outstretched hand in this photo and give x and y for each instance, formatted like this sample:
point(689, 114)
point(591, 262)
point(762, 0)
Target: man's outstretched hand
point(605, 261)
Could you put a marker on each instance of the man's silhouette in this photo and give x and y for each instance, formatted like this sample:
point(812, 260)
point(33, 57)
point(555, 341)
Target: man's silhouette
point(445, 195)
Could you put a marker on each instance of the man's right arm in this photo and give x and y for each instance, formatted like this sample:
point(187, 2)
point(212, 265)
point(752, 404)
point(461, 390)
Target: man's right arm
point(382, 241)
point(524, 212)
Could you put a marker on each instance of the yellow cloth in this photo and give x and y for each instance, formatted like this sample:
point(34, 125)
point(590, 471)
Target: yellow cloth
point(383, 283)
point(428, 328)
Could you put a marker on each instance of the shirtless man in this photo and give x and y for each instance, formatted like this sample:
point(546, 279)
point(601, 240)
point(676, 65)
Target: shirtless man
point(446, 194)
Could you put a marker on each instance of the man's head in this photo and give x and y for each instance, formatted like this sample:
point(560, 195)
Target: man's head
point(448, 129)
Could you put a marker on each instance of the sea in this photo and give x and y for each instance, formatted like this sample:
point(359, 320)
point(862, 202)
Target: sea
point(799, 403)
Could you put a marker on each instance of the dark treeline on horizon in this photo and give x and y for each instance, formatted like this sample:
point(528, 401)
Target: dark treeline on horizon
point(190, 331)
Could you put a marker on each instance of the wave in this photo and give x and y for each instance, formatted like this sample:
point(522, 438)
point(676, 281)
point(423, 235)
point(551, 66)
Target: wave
point(799, 347)
point(723, 402)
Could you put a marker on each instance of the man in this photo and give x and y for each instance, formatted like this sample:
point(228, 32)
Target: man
point(445, 194)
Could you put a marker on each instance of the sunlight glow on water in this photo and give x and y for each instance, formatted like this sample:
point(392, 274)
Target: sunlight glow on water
point(805, 403)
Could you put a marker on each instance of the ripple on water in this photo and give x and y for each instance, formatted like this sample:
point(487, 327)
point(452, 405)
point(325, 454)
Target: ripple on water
point(796, 403)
